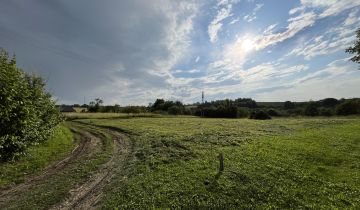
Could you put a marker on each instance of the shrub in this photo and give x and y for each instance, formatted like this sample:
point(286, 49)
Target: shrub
point(289, 105)
point(242, 113)
point(326, 112)
point(273, 112)
point(311, 109)
point(175, 110)
point(27, 113)
point(259, 115)
point(349, 107)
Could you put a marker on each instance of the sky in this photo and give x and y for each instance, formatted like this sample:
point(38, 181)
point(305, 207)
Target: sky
point(131, 52)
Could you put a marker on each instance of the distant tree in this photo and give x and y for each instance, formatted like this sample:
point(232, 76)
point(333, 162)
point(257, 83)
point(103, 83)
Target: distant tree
point(259, 115)
point(356, 48)
point(349, 107)
point(94, 106)
point(175, 110)
point(311, 109)
point(289, 105)
point(329, 102)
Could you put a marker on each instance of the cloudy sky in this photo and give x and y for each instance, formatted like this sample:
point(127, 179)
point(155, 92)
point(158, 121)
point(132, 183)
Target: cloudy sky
point(134, 51)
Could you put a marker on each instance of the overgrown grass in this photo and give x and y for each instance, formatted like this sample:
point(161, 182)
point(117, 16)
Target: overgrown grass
point(282, 163)
point(57, 147)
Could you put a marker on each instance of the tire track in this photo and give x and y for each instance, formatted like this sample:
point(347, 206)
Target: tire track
point(90, 193)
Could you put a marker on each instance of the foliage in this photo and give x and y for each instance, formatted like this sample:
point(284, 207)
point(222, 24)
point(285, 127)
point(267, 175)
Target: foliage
point(355, 49)
point(175, 110)
point(259, 115)
point(289, 105)
point(311, 109)
point(171, 107)
point(349, 107)
point(59, 145)
point(273, 112)
point(242, 113)
point(326, 112)
point(94, 106)
point(27, 113)
point(329, 102)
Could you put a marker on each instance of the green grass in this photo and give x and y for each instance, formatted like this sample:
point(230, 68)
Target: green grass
point(57, 187)
point(57, 147)
point(281, 163)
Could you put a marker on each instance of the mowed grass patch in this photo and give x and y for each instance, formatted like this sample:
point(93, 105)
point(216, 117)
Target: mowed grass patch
point(282, 163)
point(59, 145)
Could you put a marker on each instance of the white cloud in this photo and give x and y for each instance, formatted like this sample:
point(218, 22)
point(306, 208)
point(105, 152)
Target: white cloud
point(330, 7)
point(296, 24)
point(197, 59)
point(235, 21)
point(335, 39)
point(333, 81)
point(252, 16)
point(216, 25)
point(296, 10)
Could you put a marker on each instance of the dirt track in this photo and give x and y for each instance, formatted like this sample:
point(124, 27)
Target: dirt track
point(87, 194)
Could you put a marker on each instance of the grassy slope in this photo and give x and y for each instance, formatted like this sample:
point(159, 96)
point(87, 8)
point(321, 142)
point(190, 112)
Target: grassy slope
point(282, 163)
point(57, 147)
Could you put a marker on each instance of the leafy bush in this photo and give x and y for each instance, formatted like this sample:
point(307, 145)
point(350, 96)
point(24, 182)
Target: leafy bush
point(311, 109)
point(27, 113)
point(175, 110)
point(349, 107)
point(242, 113)
point(326, 112)
point(259, 115)
point(273, 112)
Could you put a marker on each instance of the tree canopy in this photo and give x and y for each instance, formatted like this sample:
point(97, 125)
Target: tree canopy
point(355, 49)
point(27, 112)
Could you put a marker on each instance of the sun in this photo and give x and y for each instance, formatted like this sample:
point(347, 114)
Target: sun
point(247, 45)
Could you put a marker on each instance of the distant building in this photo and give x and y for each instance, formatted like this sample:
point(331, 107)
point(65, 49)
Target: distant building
point(67, 109)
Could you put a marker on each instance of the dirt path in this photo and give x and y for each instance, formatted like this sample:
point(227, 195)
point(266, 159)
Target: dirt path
point(89, 193)
point(87, 142)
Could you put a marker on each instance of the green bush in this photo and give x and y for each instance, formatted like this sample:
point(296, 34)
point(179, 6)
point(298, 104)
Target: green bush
point(349, 107)
point(326, 112)
point(175, 110)
point(27, 112)
point(311, 109)
point(242, 113)
point(259, 115)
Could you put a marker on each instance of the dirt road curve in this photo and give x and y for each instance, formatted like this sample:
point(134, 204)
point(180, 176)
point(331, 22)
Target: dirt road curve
point(85, 195)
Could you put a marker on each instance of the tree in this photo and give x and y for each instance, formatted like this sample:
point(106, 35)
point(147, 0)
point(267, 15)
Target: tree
point(355, 49)
point(349, 107)
point(28, 115)
point(289, 105)
point(94, 106)
point(312, 109)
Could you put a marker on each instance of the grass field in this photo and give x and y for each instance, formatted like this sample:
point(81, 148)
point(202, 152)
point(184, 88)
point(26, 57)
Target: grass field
point(172, 162)
point(57, 147)
point(282, 163)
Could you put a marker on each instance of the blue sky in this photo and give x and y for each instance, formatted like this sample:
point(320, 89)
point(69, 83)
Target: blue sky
point(132, 52)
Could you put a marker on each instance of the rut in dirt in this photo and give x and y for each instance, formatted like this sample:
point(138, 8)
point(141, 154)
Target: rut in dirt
point(88, 194)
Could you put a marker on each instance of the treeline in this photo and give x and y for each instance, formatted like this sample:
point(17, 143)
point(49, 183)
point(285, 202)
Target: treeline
point(238, 108)
point(27, 113)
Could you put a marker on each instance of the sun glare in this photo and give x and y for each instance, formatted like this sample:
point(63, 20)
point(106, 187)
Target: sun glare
point(247, 45)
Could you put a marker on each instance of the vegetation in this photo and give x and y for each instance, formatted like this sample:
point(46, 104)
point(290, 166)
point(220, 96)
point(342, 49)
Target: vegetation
point(283, 163)
point(59, 145)
point(27, 113)
point(355, 49)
